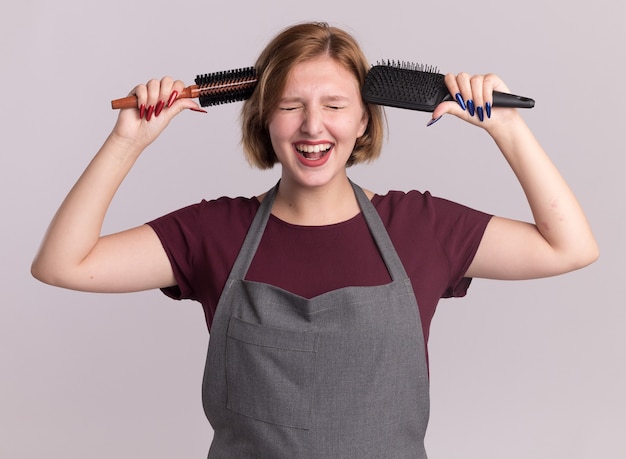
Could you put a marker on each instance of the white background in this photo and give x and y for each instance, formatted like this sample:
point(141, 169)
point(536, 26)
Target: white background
point(518, 369)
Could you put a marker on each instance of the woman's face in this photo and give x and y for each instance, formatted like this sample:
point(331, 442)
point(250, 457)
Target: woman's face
point(316, 124)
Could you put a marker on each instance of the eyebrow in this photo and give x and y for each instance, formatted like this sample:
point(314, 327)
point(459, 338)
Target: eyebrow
point(336, 98)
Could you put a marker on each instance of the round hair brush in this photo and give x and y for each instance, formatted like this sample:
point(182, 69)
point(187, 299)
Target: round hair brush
point(211, 88)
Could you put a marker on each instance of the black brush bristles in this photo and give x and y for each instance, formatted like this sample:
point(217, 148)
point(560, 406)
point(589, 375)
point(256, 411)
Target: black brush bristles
point(225, 87)
point(419, 87)
point(405, 85)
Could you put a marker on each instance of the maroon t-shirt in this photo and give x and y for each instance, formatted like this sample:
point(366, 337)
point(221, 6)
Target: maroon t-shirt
point(436, 240)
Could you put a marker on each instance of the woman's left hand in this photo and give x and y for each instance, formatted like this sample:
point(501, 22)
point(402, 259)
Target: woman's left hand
point(474, 99)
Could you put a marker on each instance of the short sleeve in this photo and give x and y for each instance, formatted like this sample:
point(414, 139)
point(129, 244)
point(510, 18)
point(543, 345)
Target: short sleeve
point(201, 242)
point(459, 229)
point(435, 238)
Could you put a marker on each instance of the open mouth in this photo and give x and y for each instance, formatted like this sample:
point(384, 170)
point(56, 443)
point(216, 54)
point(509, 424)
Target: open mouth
point(313, 152)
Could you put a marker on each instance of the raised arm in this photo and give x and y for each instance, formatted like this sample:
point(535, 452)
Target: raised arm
point(560, 239)
point(73, 253)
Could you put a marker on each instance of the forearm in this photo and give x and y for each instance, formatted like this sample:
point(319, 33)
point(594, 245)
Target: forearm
point(558, 215)
point(76, 227)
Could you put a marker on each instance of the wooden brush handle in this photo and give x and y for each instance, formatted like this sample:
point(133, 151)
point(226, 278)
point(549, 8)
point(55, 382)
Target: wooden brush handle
point(131, 101)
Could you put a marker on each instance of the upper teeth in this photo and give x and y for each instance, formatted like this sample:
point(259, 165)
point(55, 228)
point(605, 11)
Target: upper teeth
point(313, 148)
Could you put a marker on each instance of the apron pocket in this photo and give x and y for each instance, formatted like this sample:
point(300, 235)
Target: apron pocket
point(270, 373)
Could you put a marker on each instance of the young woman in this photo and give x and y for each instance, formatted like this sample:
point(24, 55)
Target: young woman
point(318, 294)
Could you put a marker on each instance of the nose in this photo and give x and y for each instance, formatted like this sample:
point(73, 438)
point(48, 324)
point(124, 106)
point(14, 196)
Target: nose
point(313, 121)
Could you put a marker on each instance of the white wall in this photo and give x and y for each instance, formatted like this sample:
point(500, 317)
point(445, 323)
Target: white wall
point(519, 369)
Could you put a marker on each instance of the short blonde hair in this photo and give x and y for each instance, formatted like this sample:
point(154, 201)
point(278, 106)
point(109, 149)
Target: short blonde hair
point(294, 45)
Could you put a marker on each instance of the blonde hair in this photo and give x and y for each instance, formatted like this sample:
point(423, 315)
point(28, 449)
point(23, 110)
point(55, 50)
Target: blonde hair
point(292, 46)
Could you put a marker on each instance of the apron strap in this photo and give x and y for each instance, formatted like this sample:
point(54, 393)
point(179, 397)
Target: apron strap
point(380, 235)
point(374, 223)
point(253, 238)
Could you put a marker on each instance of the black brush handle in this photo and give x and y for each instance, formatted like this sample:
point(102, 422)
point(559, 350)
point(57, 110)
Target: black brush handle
point(505, 100)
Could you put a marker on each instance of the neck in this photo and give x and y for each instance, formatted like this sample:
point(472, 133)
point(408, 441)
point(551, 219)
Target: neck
point(315, 206)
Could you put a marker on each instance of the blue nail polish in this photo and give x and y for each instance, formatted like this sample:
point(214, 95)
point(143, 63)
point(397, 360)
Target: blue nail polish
point(459, 99)
point(488, 109)
point(433, 121)
point(479, 111)
point(470, 107)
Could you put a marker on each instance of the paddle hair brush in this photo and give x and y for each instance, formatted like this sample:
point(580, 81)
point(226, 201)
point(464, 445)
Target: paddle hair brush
point(419, 87)
point(211, 88)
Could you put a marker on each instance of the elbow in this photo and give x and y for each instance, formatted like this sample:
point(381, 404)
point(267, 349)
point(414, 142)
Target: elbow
point(39, 273)
point(44, 273)
point(593, 255)
point(585, 256)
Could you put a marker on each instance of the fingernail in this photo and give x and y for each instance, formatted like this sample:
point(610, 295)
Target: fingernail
point(198, 110)
point(470, 107)
point(481, 114)
point(433, 121)
point(150, 112)
point(459, 99)
point(159, 107)
point(172, 98)
point(142, 111)
point(488, 109)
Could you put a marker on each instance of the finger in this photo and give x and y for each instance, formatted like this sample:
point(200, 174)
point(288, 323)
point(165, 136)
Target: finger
point(176, 104)
point(165, 92)
point(478, 98)
point(465, 91)
point(154, 92)
point(177, 88)
point(141, 93)
point(460, 88)
point(182, 103)
point(454, 87)
point(490, 82)
point(448, 106)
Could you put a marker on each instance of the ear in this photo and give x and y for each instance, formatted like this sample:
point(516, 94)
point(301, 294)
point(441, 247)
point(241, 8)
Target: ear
point(364, 122)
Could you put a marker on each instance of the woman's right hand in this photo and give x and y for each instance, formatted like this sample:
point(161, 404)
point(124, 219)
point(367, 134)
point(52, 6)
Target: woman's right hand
point(157, 104)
